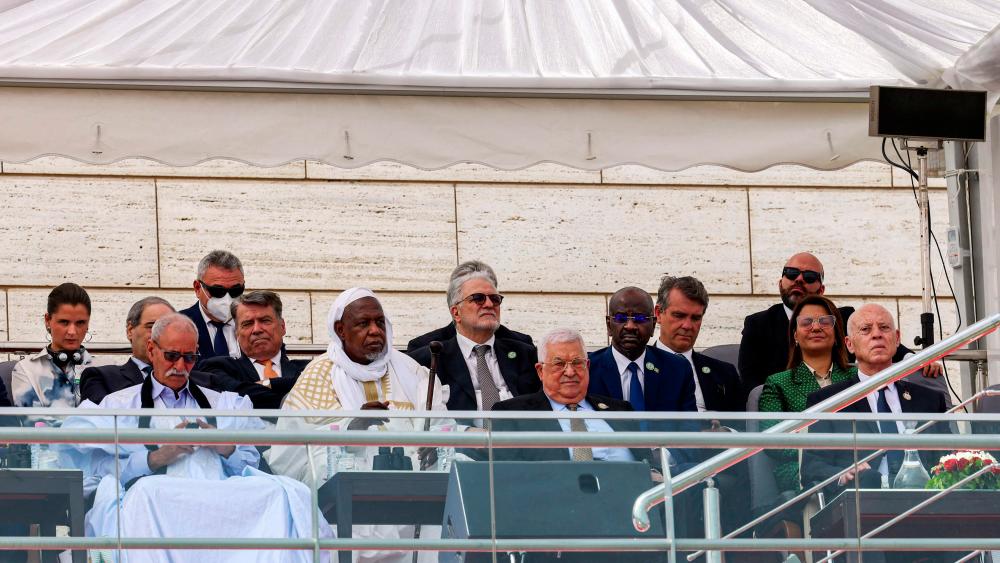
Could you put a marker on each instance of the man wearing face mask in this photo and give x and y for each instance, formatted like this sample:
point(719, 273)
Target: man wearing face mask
point(220, 281)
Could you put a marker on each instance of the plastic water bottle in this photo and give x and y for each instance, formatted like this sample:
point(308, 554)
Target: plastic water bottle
point(42, 455)
point(333, 455)
point(445, 454)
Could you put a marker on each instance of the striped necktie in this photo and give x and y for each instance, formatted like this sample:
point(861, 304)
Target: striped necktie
point(579, 425)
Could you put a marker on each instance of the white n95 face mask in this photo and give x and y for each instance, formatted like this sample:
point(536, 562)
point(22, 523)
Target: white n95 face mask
point(218, 307)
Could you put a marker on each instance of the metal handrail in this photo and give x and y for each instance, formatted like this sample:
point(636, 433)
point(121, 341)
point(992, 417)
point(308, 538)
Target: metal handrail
point(647, 500)
point(817, 487)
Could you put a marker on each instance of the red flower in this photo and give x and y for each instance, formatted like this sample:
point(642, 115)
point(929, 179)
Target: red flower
point(987, 461)
point(962, 463)
point(950, 465)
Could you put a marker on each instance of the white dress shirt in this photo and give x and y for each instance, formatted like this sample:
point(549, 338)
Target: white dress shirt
point(699, 397)
point(228, 331)
point(593, 425)
point(625, 375)
point(275, 365)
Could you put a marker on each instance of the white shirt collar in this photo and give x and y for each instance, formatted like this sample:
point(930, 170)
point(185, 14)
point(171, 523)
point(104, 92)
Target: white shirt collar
point(138, 363)
point(689, 355)
point(208, 320)
point(865, 377)
point(466, 345)
point(583, 405)
point(788, 312)
point(623, 362)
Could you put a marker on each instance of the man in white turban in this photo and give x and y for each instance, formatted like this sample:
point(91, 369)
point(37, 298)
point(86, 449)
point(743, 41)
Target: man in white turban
point(359, 371)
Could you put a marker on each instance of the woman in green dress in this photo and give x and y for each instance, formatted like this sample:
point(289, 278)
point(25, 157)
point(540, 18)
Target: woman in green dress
point(817, 358)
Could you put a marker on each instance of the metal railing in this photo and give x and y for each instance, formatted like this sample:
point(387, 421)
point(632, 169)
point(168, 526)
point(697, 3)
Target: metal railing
point(504, 439)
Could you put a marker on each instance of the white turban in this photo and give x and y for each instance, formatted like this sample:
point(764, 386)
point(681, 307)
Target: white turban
point(346, 371)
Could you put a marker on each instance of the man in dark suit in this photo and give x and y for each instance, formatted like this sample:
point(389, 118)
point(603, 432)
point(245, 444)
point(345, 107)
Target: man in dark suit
point(764, 347)
point(263, 372)
point(447, 332)
point(564, 373)
point(648, 378)
point(680, 308)
point(480, 367)
point(872, 336)
point(220, 280)
point(98, 381)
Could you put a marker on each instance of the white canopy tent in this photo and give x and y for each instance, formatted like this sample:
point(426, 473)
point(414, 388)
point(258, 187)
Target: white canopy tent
point(591, 84)
point(509, 83)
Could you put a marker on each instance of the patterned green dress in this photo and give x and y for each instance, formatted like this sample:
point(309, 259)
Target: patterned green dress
point(787, 391)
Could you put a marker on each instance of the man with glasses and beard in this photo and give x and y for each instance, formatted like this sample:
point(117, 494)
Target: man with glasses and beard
point(764, 347)
point(480, 366)
point(219, 282)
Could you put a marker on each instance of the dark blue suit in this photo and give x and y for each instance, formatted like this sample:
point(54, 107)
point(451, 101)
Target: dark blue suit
point(205, 347)
point(669, 389)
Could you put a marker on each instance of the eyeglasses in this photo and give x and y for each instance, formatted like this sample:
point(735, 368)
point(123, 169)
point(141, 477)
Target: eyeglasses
point(639, 318)
point(808, 276)
point(560, 365)
point(189, 357)
point(480, 298)
point(825, 321)
point(218, 291)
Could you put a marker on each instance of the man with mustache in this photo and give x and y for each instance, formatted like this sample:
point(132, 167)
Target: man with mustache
point(479, 366)
point(764, 347)
point(263, 372)
point(172, 490)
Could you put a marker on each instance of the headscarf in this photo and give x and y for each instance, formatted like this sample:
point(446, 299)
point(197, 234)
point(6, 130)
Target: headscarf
point(346, 371)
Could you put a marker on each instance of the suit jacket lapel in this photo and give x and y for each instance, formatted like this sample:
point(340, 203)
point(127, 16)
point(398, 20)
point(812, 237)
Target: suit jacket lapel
point(508, 365)
point(454, 363)
point(608, 370)
point(132, 373)
point(247, 370)
point(711, 390)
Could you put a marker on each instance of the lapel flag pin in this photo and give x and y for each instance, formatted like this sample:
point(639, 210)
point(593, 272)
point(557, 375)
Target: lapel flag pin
point(906, 395)
point(512, 354)
point(602, 406)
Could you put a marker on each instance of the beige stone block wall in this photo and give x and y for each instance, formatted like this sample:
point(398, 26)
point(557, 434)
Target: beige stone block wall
point(562, 240)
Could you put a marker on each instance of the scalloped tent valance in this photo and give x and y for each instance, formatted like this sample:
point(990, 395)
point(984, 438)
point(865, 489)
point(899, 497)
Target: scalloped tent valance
point(508, 83)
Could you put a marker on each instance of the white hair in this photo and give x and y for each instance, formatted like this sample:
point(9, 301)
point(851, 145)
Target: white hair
point(558, 336)
point(161, 325)
point(455, 285)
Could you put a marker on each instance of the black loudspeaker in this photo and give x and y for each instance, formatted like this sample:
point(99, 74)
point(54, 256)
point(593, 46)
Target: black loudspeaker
point(548, 499)
point(924, 113)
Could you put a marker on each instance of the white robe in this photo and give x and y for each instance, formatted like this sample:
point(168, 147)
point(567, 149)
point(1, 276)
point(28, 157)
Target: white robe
point(202, 494)
point(314, 390)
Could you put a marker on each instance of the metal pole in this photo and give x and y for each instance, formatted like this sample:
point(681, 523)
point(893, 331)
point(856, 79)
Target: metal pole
point(713, 520)
point(923, 200)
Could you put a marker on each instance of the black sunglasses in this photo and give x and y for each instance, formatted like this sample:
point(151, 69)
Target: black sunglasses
point(808, 276)
point(189, 358)
point(220, 291)
point(480, 298)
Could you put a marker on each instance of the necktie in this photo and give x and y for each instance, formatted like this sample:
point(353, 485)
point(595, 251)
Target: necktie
point(269, 372)
point(487, 387)
point(579, 425)
point(219, 344)
point(635, 395)
point(146, 371)
point(893, 457)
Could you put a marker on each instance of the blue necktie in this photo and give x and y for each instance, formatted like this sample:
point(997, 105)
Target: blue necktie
point(894, 457)
point(219, 344)
point(635, 395)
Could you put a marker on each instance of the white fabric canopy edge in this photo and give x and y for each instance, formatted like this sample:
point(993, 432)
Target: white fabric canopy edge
point(184, 128)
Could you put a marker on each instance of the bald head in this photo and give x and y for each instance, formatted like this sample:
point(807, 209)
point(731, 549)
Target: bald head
point(802, 275)
point(872, 337)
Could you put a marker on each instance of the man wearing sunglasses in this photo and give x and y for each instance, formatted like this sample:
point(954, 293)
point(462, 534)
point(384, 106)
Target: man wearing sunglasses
point(446, 332)
point(480, 367)
point(649, 378)
point(220, 281)
point(764, 347)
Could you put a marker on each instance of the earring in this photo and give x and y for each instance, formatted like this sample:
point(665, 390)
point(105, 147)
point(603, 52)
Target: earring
point(796, 343)
point(48, 334)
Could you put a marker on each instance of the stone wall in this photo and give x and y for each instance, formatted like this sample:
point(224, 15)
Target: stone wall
point(560, 239)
